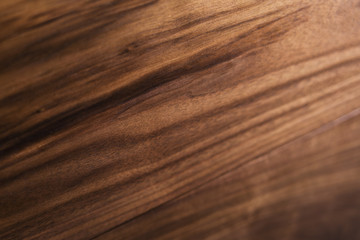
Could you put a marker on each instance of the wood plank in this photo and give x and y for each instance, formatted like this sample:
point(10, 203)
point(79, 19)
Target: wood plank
point(109, 109)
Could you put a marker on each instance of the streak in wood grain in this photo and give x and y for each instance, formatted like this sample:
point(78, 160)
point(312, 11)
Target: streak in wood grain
point(201, 61)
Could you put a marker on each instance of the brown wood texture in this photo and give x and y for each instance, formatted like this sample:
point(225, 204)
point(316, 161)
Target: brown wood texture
point(285, 194)
point(180, 119)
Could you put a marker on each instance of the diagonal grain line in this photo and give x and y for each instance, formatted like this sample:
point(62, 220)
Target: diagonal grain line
point(65, 119)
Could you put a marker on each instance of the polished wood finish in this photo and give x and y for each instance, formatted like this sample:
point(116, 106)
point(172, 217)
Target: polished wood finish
point(286, 194)
point(179, 119)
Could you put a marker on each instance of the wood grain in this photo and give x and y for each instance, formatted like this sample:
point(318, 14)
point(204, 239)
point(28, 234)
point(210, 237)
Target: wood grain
point(178, 119)
point(288, 194)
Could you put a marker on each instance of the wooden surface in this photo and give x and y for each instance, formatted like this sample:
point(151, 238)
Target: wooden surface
point(180, 119)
